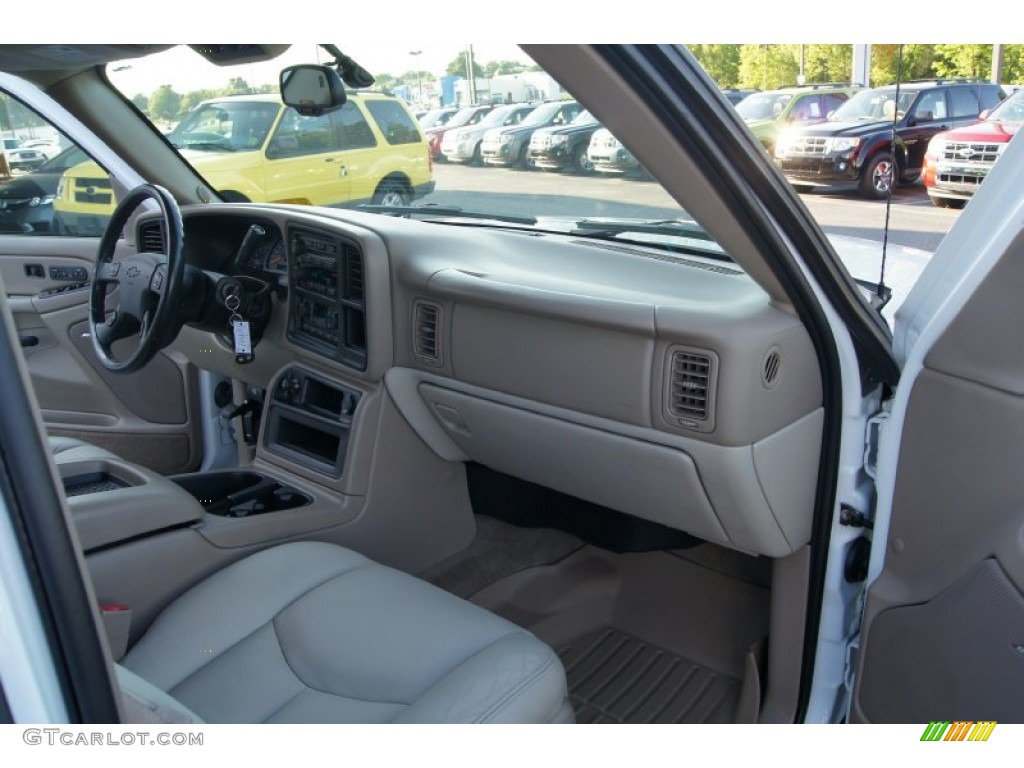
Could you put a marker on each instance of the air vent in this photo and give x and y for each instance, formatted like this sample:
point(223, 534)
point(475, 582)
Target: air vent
point(427, 332)
point(151, 237)
point(772, 368)
point(690, 388)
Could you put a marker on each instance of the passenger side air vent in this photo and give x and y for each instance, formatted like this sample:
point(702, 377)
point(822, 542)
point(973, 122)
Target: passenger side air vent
point(690, 388)
point(151, 237)
point(426, 333)
point(772, 368)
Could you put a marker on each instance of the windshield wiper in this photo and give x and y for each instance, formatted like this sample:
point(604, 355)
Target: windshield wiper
point(442, 210)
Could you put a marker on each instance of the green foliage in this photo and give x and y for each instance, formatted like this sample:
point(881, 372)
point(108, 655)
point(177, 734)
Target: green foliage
point(493, 68)
point(457, 66)
point(768, 66)
point(721, 62)
point(141, 101)
point(165, 103)
point(238, 86)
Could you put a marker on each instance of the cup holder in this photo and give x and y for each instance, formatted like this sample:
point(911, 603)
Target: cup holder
point(240, 493)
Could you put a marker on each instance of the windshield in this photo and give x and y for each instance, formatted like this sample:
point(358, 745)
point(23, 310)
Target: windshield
point(584, 118)
point(581, 181)
point(763, 106)
point(226, 125)
point(1010, 111)
point(877, 104)
point(436, 118)
point(542, 115)
point(500, 115)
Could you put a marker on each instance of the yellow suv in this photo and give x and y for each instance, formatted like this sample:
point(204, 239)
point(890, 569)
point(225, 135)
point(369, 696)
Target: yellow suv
point(254, 148)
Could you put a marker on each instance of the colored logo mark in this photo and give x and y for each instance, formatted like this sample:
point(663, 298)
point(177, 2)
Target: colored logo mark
point(959, 731)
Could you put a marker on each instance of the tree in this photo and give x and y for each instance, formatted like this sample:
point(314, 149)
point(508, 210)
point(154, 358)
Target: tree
point(916, 65)
point(238, 85)
point(768, 66)
point(165, 103)
point(492, 68)
point(827, 63)
point(458, 66)
point(141, 101)
point(192, 99)
point(721, 62)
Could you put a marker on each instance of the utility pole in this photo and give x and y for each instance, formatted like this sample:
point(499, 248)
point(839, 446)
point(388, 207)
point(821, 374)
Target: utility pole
point(470, 74)
point(861, 74)
point(998, 58)
point(419, 77)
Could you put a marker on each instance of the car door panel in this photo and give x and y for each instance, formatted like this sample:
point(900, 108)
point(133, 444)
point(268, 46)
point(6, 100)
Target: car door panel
point(943, 632)
point(144, 416)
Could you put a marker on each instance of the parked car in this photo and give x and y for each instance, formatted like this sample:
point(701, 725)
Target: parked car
point(508, 147)
point(564, 148)
point(958, 161)
point(20, 157)
point(737, 95)
point(465, 116)
point(536, 458)
point(768, 112)
point(854, 147)
point(26, 201)
point(435, 118)
point(607, 155)
point(49, 148)
point(462, 145)
point(253, 148)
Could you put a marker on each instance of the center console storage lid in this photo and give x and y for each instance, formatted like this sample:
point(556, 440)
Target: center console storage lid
point(139, 502)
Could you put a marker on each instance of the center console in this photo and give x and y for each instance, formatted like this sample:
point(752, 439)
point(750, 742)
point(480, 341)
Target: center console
point(327, 309)
point(309, 421)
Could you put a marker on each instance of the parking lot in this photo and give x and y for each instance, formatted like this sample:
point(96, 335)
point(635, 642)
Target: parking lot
point(914, 221)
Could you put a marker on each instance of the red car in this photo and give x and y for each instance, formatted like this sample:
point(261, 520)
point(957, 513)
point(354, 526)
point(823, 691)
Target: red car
point(958, 161)
point(465, 116)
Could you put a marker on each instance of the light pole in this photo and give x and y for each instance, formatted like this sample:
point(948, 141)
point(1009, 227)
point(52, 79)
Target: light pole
point(419, 77)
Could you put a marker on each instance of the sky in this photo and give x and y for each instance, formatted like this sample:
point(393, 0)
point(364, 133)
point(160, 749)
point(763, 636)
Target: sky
point(186, 70)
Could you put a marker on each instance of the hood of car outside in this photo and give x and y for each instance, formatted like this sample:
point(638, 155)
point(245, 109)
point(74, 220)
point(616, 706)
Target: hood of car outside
point(846, 128)
point(32, 185)
point(863, 259)
point(996, 132)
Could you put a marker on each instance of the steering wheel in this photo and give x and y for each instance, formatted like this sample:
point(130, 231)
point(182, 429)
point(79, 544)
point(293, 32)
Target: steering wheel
point(148, 286)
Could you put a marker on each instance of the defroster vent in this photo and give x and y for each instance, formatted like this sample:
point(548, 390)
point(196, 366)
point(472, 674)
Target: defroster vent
point(690, 388)
point(427, 324)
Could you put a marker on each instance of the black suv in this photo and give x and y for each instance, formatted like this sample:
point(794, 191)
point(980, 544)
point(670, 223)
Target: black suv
point(854, 146)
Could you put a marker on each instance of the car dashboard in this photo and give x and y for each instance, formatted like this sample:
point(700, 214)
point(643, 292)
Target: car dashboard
point(670, 389)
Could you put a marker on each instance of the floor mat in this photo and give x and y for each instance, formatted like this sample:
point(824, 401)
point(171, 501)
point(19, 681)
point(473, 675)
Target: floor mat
point(617, 678)
point(499, 550)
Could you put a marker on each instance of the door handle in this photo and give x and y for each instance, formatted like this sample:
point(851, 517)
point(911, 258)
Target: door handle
point(28, 341)
point(343, 170)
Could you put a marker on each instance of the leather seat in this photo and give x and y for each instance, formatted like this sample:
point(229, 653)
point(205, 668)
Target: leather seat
point(310, 632)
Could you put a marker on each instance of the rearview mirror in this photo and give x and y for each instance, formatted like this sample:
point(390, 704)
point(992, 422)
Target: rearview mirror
point(312, 89)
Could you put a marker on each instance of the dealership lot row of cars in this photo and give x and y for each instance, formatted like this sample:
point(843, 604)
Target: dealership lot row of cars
point(828, 135)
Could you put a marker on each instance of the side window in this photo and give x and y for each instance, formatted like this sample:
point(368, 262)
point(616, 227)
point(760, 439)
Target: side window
point(964, 102)
point(832, 102)
point(932, 106)
point(394, 122)
point(353, 130)
point(806, 108)
point(568, 114)
point(297, 136)
point(990, 96)
point(48, 186)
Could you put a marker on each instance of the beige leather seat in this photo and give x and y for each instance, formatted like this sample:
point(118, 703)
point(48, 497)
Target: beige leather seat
point(310, 632)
